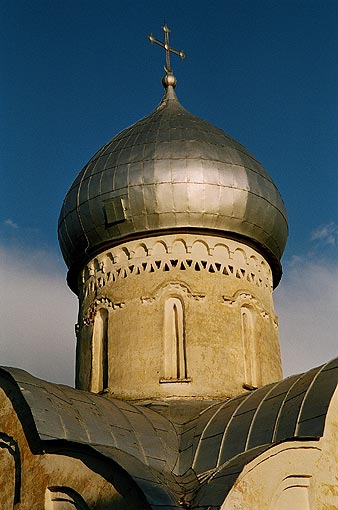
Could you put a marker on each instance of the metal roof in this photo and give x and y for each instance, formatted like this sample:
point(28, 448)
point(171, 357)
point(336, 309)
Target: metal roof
point(175, 447)
point(171, 171)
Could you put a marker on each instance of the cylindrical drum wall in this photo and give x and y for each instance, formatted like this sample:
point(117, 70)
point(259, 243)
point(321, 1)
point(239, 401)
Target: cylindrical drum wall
point(177, 316)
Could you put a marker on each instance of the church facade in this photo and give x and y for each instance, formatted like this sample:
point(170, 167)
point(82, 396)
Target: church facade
point(173, 234)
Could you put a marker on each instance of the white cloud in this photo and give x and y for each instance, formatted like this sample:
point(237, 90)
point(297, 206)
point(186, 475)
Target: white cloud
point(37, 315)
point(326, 233)
point(307, 306)
point(10, 223)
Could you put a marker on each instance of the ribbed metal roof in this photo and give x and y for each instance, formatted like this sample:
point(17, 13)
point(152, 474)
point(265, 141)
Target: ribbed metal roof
point(171, 171)
point(196, 448)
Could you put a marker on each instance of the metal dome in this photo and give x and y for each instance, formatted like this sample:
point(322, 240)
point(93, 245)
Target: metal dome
point(171, 171)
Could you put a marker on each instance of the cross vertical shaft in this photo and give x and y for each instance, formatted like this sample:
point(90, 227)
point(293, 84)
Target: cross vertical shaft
point(167, 47)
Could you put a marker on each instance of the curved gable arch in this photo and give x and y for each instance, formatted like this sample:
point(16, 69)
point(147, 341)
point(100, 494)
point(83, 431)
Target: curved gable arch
point(64, 498)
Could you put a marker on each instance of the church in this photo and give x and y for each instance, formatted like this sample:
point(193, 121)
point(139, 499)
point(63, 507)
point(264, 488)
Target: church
point(173, 235)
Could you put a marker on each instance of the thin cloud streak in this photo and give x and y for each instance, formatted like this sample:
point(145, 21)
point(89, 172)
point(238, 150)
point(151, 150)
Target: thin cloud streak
point(326, 233)
point(10, 223)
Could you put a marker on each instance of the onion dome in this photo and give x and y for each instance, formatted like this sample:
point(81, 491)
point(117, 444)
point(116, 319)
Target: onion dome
point(171, 172)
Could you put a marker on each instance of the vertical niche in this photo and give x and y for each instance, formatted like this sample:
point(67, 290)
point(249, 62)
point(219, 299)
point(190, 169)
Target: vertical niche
point(174, 342)
point(99, 368)
point(250, 347)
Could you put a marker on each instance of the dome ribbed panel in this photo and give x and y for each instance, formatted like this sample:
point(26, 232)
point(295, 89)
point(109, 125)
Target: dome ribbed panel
point(168, 171)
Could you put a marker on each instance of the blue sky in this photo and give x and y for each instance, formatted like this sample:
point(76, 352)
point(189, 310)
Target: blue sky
point(75, 73)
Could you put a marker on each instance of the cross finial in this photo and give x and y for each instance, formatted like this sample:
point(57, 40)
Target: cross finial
point(167, 47)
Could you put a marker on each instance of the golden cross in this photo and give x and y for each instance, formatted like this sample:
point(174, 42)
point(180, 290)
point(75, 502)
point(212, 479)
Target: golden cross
point(167, 48)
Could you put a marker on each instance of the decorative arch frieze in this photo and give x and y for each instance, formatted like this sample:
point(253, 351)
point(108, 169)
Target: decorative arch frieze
point(227, 258)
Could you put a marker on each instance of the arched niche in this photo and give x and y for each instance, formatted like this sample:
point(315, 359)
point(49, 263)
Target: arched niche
point(221, 253)
point(293, 492)
point(99, 368)
point(64, 498)
point(159, 249)
point(239, 256)
point(199, 249)
point(140, 251)
point(174, 355)
point(179, 247)
point(250, 354)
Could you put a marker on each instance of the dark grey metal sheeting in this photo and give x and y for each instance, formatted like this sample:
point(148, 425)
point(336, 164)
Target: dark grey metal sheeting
point(171, 171)
point(176, 447)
